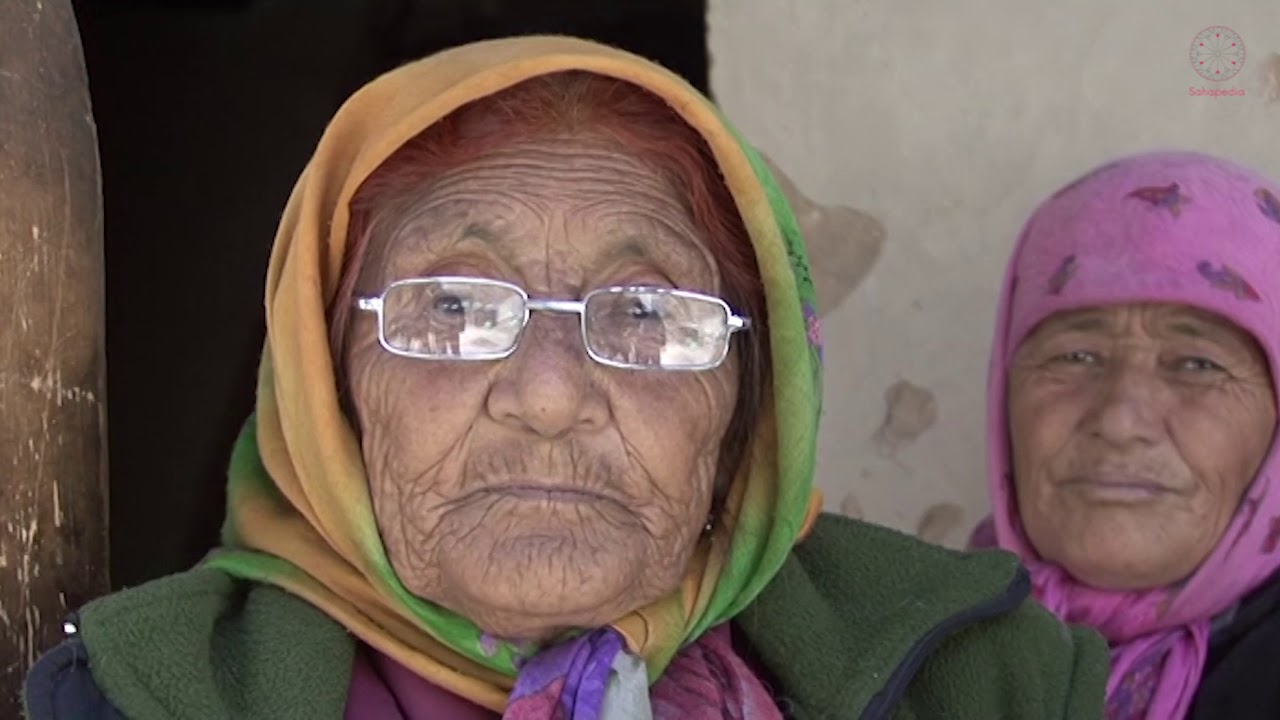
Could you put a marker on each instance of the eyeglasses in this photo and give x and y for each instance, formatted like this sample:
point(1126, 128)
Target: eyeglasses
point(640, 328)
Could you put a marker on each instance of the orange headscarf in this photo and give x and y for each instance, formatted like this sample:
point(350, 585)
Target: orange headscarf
point(299, 511)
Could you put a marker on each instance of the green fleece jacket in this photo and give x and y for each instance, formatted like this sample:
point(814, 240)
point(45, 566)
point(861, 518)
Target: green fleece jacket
point(862, 622)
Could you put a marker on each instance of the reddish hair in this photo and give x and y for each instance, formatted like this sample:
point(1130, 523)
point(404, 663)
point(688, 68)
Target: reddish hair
point(578, 102)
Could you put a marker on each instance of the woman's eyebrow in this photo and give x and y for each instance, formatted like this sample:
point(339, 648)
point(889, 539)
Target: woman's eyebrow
point(1228, 338)
point(663, 248)
point(1075, 322)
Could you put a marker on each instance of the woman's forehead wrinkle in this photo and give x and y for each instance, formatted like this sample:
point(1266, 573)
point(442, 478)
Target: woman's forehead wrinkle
point(1155, 320)
point(557, 215)
point(645, 220)
point(441, 217)
point(561, 262)
point(490, 209)
point(1198, 323)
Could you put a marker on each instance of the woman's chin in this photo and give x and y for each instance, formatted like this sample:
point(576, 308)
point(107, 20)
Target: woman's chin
point(542, 617)
point(1121, 548)
point(1125, 568)
point(535, 586)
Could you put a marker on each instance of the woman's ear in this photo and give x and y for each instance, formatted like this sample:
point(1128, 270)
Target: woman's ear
point(843, 243)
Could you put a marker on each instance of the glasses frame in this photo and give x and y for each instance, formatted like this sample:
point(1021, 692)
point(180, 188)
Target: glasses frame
point(734, 323)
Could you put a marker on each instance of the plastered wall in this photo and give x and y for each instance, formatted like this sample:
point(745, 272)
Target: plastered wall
point(946, 122)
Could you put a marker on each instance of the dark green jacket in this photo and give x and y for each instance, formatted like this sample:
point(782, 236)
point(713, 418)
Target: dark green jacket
point(862, 622)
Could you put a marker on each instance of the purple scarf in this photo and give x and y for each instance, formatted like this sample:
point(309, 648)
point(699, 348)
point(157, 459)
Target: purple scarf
point(706, 681)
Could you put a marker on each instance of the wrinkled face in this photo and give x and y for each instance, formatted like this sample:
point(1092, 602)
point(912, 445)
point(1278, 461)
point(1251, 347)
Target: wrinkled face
point(1135, 431)
point(544, 491)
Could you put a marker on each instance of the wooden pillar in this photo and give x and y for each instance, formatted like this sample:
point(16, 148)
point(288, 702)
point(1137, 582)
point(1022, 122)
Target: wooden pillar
point(53, 493)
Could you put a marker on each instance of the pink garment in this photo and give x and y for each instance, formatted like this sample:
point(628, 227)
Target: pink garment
point(705, 681)
point(382, 689)
point(709, 681)
point(1161, 227)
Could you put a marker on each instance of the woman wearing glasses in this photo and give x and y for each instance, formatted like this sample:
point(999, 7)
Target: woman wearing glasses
point(535, 439)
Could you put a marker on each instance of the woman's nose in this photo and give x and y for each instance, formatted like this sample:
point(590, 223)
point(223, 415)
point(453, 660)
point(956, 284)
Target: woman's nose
point(1130, 406)
point(549, 385)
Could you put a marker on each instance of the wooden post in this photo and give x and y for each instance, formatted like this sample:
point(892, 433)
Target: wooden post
point(53, 493)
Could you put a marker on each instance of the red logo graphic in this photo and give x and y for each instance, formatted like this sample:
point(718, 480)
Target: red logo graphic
point(1217, 53)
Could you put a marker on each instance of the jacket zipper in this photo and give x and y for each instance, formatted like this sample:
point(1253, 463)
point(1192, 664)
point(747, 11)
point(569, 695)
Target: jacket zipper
point(885, 702)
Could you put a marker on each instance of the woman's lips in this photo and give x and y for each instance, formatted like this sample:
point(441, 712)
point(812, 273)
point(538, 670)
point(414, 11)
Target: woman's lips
point(550, 494)
point(1118, 488)
point(553, 492)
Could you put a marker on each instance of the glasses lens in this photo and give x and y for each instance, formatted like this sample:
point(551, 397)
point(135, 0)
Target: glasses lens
point(648, 328)
point(452, 319)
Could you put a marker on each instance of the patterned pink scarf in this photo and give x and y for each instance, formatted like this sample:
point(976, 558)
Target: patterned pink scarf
point(1162, 227)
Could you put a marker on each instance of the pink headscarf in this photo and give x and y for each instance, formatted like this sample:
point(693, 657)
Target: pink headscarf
point(1162, 227)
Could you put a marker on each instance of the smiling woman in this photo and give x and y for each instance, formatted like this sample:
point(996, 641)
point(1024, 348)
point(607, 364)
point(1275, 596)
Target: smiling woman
point(1088, 385)
point(1132, 425)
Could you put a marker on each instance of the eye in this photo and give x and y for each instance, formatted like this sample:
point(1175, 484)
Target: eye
point(1078, 357)
point(1198, 365)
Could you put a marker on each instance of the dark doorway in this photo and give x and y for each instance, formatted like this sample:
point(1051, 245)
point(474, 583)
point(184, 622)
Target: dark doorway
point(205, 115)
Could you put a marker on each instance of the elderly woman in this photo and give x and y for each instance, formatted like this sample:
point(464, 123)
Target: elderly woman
point(1133, 419)
point(535, 437)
